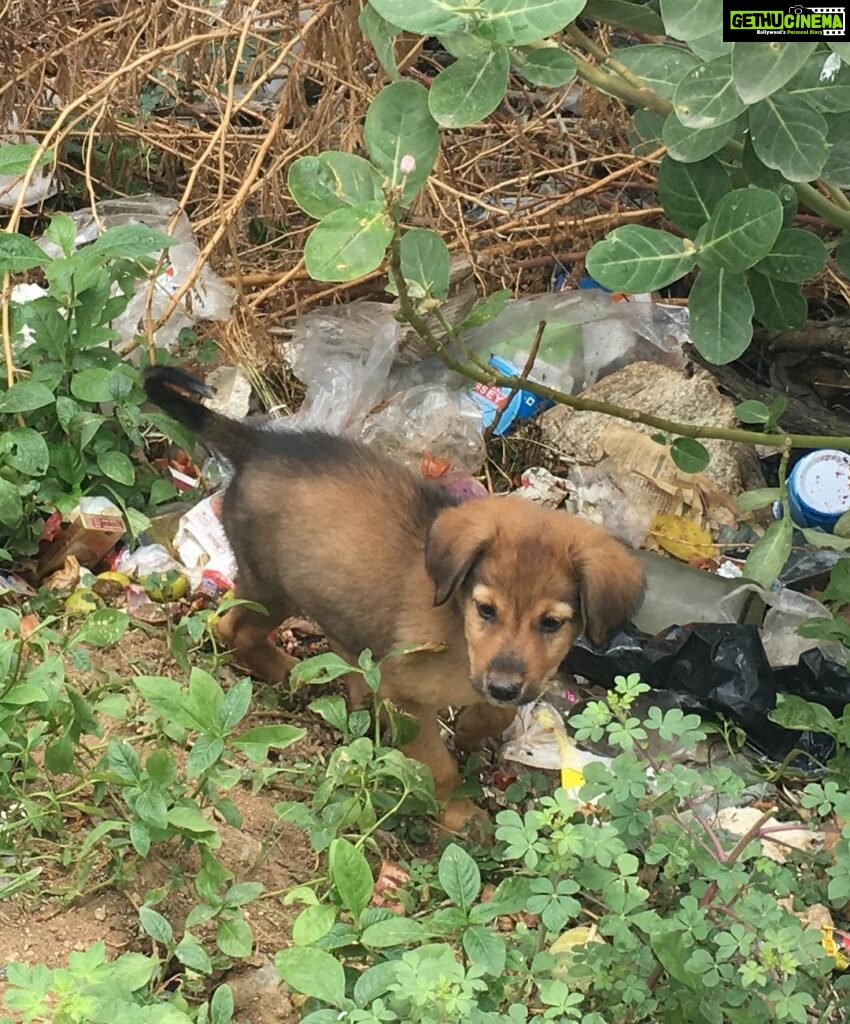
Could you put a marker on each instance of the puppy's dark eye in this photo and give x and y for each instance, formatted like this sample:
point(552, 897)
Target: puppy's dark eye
point(549, 624)
point(486, 611)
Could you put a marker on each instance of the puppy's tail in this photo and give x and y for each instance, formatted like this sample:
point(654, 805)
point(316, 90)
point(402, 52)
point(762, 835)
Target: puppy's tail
point(178, 394)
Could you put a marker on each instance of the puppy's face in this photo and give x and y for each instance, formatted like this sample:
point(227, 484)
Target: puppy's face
point(527, 582)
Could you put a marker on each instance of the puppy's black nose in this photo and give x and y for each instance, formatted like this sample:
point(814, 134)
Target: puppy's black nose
point(504, 690)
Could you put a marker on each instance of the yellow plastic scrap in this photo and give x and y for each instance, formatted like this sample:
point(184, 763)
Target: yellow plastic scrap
point(572, 765)
point(837, 944)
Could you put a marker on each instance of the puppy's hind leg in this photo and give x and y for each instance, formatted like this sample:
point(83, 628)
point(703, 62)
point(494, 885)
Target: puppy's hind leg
point(248, 632)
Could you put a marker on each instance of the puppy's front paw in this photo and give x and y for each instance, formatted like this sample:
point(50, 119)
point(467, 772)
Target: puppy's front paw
point(464, 817)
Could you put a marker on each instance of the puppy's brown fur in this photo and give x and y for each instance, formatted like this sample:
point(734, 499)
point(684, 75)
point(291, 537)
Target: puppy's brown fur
point(323, 526)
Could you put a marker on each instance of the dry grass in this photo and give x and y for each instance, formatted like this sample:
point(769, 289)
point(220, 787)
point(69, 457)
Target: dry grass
point(210, 102)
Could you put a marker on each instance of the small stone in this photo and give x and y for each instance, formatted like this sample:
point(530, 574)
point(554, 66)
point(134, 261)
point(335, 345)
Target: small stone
point(100, 913)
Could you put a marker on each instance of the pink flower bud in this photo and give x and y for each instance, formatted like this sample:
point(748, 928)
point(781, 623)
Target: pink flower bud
point(408, 164)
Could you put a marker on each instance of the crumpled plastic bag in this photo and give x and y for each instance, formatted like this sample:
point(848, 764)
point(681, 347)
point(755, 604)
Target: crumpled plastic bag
point(722, 669)
point(209, 298)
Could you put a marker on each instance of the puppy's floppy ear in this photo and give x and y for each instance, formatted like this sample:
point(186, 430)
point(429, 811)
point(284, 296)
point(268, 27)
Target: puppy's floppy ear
point(457, 539)
point(611, 584)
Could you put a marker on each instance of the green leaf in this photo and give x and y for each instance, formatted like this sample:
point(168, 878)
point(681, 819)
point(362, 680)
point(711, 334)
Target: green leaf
point(129, 242)
point(769, 554)
point(465, 44)
point(375, 981)
point(103, 627)
point(332, 181)
point(742, 230)
point(425, 262)
point(638, 259)
point(760, 69)
point(842, 254)
point(752, 411)
point(661, 67)
point(348, 243)
point(205, 752)
point(233, 936)
point(92, 385)
point(689, 455)
point(488, 309)
point(689, 192)
point(26, 450)
point(691, 144)
point(792, 712)
point(672, 951)
point(222, 1006)
point(256, 742)
point(63, 231)
point(234, 705)
point(485, 948)
point(190, 819)
point(25, 396)
point(644, 136)
point(706, 96)
point(691, 19)
point(515, 22)
point(425, 18)
point(842, 49)
point(17, 252)
point(151, 808)
point(789, 136)
point(399, 124)
point(547, 66)
point(760, 497)
point(155, 925)
point(381, 34)
point(59, 755)
point(117, 466)
point(193, 955)
point(778, 306)
point(396, 931)
point(625, 14)
point(312, 972)
point(312, 924)
point(15, 158)
point(822, 86)
point(759, 174)
point(351, 876)
point(459, 876)
point(721, 309)
point(836, 170)
point(796, 255)
point(470, 89)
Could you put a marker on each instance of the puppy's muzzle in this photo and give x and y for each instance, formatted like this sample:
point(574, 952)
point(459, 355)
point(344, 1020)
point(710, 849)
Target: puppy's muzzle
point(503, 680)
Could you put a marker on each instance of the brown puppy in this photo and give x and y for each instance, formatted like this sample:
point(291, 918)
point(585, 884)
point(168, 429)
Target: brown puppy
point(323, 526)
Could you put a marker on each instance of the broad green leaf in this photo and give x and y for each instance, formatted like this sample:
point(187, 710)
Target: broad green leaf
point(155, 925)
point(822, 84)
point(351, 875)
point(459, 876)
point(312, 972)
point(638, 259)
point(312, 924)
point(706, 96)
point(710, 46)
point(672, 950)
point(129, 241)
point(425, 261)
point(691, 144)
point(752, 412)
point(547, 66)
point(661, 67)
point(842, 254)
point(151, 808)
point(221, 1006)
point(691, 19)
point(757, 173)
point(689, 192)
point(470, 89)
point(778, 305)
point(25, 396)
point(485, 948)
point(426, 17)
point(205, 752)
point(59, 755)
point(331, 181)
point(515, 22)
point(255, 742)
point(26, 450)
point(117, 466)
point(842, 49)
point(721, 309)
point(103, 627)
point(234, 705)
point(233, 936)
point(488, 309)
point(92, 385)
point(836, 170)
point(794, 712)
point(63, 231)
point(689, 455)
point(466, 44)
point(24, 693)
point(11, 505)
point(759, 497)
point(396, 931)
point(644, 135)
point(760, 68)
point(626, 14)
point(741, 231)
point(375, 981)
point(796, 255)
point(399, 124)
point(790, 136)
point(192, 954)
point(17, 252)
point(381, 34)
point(770, 553)
point(190, 819)
point(15, 157)
point(348, 243)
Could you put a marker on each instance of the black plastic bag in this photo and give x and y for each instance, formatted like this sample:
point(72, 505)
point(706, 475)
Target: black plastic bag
point(721, 670)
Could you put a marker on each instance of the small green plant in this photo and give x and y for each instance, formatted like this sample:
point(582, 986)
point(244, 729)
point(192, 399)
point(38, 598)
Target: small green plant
point(628, 906)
